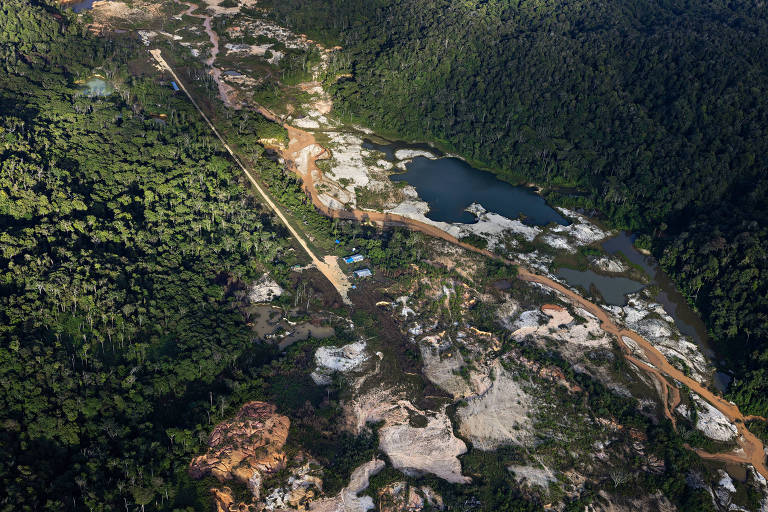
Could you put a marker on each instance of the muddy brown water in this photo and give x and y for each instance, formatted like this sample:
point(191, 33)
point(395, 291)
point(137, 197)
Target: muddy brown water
point(267, 320)
point(674, 303)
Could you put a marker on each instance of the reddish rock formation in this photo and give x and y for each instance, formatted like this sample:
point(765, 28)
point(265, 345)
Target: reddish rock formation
point(246, 447)
point(224, 502)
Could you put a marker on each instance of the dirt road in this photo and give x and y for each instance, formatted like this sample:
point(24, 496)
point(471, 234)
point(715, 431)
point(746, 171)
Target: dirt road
point(751, 449)
point(329, 265)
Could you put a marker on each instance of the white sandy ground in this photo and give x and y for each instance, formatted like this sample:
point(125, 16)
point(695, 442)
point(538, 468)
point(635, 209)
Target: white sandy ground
point(429, 449)
point(410, 154)
point(649, 319)
point(559, 325)
point(330, 360)
point(711, 422)
point(348, 500)
point(500, 416)
point(441, 368)
point(264, 290)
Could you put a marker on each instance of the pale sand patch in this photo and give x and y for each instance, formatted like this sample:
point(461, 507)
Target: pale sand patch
point(410, 154)
point(711, 422)
point(348, 500)
point(429, 449)
point(499, 417)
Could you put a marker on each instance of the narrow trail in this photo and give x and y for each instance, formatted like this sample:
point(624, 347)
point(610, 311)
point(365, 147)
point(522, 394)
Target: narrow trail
point(751, 449)
point(329, 264)
point(304, 163)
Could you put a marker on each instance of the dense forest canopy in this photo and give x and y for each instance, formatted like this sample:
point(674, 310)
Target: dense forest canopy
point(658, 110)
point(125, 242)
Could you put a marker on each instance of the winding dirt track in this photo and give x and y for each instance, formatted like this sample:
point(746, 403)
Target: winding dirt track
point(751, 449)
point(224, 89)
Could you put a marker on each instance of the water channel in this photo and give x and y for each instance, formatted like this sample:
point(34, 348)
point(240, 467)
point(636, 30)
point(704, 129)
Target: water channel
point(449, 185)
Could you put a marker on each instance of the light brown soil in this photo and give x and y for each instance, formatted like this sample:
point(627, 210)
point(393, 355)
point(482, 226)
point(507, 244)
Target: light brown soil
point(752, 449)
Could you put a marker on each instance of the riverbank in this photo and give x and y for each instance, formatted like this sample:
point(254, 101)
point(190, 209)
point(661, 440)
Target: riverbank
point(647, 358)
point(302, 155)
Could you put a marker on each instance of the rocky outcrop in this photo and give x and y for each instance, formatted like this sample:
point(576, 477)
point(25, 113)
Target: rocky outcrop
point(429, 449)
point(330, 360)
point(302, 487)
point(264, 290)
point(246, 447)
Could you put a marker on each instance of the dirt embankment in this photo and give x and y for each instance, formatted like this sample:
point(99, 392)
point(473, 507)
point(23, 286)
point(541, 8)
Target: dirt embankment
point(752, 449)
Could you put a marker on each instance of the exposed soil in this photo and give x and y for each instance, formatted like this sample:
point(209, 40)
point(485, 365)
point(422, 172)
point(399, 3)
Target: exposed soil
point(752, 449)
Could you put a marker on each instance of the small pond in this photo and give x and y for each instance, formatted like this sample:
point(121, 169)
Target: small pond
point(450, 185)
point(687, 321)
point(613, 290)
point(96, 87)
point(79, 6)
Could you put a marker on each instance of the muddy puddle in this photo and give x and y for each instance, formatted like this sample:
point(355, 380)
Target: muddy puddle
point(270, 326)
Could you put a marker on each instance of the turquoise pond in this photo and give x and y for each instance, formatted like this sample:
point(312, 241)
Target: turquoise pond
point(96, 87)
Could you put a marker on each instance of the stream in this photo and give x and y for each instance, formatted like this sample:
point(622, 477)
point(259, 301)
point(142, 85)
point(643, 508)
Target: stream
point(449, 185)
